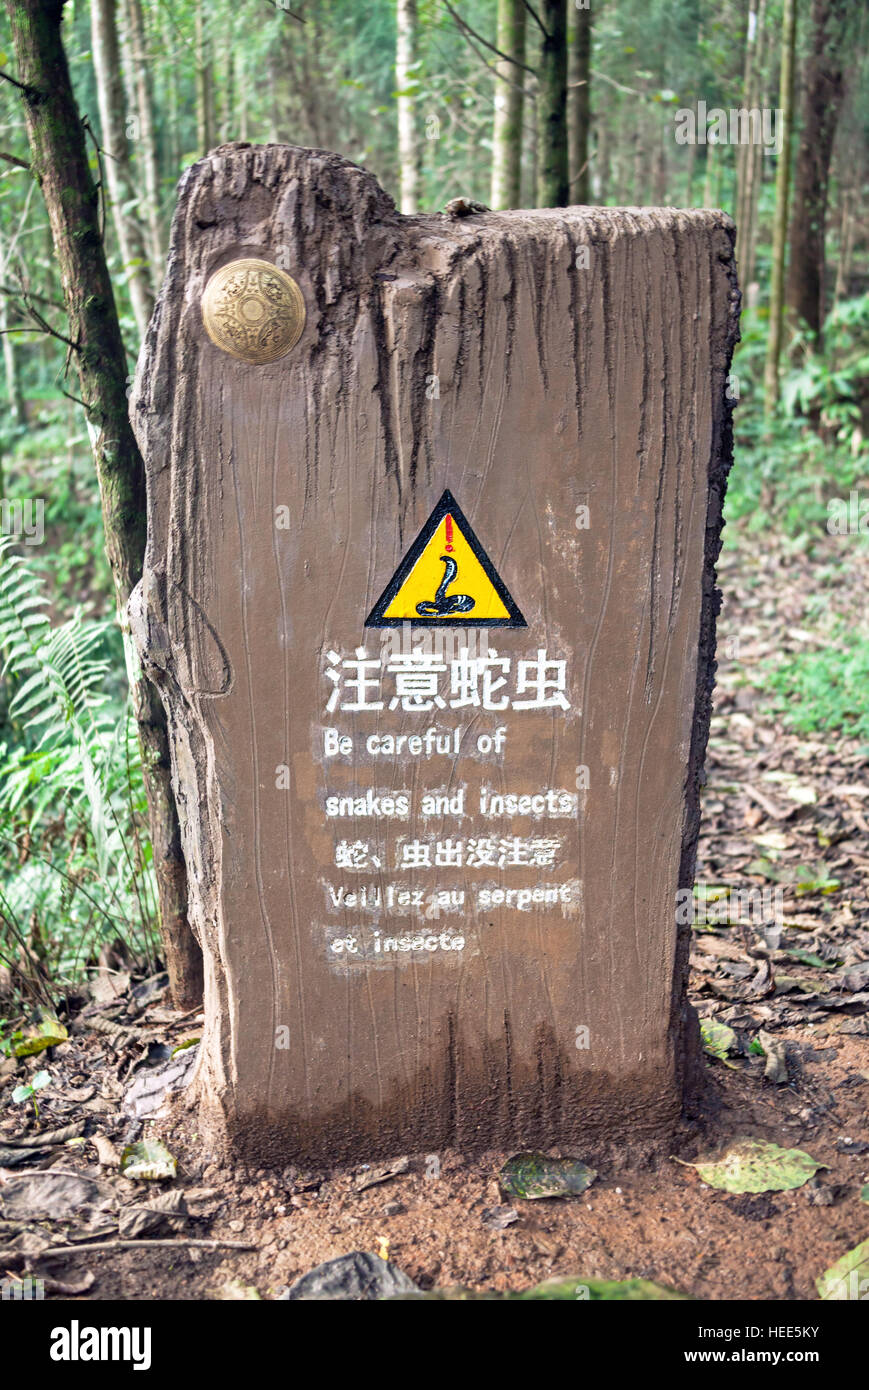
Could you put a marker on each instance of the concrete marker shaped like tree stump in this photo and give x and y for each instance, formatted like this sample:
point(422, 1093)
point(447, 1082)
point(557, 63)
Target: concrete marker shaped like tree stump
point(554, 382)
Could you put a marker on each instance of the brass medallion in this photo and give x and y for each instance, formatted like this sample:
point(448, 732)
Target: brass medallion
point(253, 311)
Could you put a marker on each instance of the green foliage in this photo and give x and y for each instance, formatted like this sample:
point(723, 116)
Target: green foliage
point(787, 468)
point(71, 795)
point(38, 1082)
point(836, 383)
point(50, 461)
point(825, 690)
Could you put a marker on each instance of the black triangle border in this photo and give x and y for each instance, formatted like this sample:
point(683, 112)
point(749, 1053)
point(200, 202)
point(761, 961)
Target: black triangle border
point(446, 504)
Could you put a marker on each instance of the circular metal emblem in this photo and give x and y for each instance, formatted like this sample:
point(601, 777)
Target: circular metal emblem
point(253, 311)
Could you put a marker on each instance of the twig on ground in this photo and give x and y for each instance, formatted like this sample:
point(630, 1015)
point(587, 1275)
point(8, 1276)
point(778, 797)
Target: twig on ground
point(100, 1246)
point(774, 812)
point(39, 1141)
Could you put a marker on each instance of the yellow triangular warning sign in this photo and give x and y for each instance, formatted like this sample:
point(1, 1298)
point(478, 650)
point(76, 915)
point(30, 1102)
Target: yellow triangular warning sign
point(446, 579)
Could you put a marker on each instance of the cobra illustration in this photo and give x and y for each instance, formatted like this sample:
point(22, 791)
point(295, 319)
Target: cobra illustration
point(443, 604)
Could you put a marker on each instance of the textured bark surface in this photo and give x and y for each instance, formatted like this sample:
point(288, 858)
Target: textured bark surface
point(579, 102)
point(553, 184)
point(559, 386)
point(117, 165)
point(823, 89)
point(509, 105)
point(139, 75)
point(784, 122)
point(406, 79)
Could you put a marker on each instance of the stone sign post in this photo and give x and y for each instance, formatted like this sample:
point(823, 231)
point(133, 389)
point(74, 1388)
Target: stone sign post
point(434, 504)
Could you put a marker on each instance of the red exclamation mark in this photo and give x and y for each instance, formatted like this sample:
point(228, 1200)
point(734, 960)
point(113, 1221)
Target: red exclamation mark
point(448, 523)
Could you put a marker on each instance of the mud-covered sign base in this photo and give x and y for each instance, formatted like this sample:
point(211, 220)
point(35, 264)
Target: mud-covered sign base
point(430, 601)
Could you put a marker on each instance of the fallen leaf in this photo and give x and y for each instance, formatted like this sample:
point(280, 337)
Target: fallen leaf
point(808, 958)
point(848, 1278)
point(856, 977)
point(755, 1165)
point(718, 1039)
point(151, 1086)
point(776, 1069)
point(499, 1218)
point(148, 1161)
point(163, 1214)
point(571, 1289)
point(39, 1036)
point(202, 1201)
point(107, 1154)
point(601, 1290)
point(69, 1288)
point(20, 1158)
point(150, 989)
point(77, 1095)
point(234, 1291)
point(109, 985)
point(372, 1176)
point(763, 982)
point(534, 1175)
point(773, 839)
point(803, 795)
point(50, 1137)
point(55, 1194)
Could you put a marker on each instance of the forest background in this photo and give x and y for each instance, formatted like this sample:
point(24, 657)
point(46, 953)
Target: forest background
point(756, 106)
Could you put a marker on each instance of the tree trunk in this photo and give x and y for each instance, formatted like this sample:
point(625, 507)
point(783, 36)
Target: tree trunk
point(782, 196)
point(116, 163)
point(823, 87)
point(170, 103)
point(641, 156)
point(712, 176)
point(745, 153)
point(204, 81)
point(509, 103)
point(553, 184)
point(659, 193)
point(149, 162)
point(755, 161)
point(14, 396)
point(601, 182)
point(60, 165)
point(579, 104)
point(847, 230)
point(691, 159)
point(242, 99)
point(272, 104)
point(531, 160)
point(229, 121)
point(407, 34)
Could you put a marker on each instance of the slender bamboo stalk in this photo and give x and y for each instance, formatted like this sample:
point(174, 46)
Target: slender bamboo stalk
point(782, 203)
point(407, 39)
point(509, 102)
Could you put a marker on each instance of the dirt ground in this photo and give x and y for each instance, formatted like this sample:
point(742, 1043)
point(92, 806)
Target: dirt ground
point(779, 812)
point(661, 1223)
